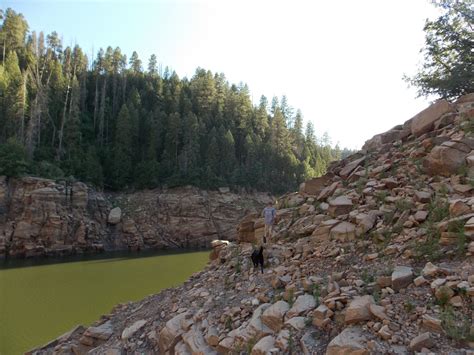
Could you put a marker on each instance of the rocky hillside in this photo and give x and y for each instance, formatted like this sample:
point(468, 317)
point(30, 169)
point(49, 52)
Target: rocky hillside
point(41, 217)
point(376, 257)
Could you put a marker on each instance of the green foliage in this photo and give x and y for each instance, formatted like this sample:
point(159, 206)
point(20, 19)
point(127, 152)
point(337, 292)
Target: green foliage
point(367, 276)
point(13, 161)
point(448, 68)
point(316, 292)
point(457, 227)
point(408, 306)
point(457, 326)
point(117, 125)
point(48, 170)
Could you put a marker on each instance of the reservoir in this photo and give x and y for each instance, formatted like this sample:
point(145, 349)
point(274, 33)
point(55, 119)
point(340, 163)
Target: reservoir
point(40, 300)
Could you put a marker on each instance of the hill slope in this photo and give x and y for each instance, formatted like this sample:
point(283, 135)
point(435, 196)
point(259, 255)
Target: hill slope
point(374, 257)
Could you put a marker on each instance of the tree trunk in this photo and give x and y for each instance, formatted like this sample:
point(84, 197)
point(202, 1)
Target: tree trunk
point(63, 121)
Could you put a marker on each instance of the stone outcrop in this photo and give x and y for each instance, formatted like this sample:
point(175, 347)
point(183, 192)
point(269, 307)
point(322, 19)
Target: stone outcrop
point(41, 217)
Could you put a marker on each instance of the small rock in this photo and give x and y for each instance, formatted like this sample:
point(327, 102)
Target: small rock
point(419, 281)
point(401, 277)
point(422, 196)
point(385, 332)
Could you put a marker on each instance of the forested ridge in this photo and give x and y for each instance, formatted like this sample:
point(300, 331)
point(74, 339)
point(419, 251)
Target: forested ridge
point(117, 125)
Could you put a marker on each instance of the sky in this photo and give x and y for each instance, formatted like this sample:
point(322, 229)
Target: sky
point(340, 62)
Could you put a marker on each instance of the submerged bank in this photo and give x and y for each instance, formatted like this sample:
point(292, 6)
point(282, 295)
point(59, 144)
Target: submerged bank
point(40, 300)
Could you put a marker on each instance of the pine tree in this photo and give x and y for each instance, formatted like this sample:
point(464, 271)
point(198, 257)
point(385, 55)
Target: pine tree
point(153, 65)
point(122, 162)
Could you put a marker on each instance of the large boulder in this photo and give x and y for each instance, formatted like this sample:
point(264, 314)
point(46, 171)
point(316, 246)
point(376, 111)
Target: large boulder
point(350, 341)
point(349, 168)
point(274, 315)
point(246, 230)
point(446, 159)
point(424, 121)
point(303, 303)
point(131, 330)
point(343, 232)
point(315, 185)
point(195, 341)
point(339, 206)
point(171, 333)
point(358, 309)
point(264, 346)
point(115, 215)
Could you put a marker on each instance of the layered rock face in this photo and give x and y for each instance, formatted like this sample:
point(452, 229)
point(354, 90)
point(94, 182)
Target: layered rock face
point(374, 258)
point(43, 217)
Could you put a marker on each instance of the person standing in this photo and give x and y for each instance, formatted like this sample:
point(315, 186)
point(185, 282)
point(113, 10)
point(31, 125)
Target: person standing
point(269, 214)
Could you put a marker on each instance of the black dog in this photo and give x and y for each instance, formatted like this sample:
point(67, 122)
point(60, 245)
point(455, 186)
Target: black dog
point(257, 258)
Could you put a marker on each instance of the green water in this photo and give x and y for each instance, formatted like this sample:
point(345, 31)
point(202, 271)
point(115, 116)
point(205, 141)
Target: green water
point(39, 302)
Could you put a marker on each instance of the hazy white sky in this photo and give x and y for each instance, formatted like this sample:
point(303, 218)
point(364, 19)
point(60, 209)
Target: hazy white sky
point(340, 62)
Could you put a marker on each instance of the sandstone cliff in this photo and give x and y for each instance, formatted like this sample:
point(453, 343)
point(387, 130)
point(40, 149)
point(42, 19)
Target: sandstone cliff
point(42, 217)
point(374, 258)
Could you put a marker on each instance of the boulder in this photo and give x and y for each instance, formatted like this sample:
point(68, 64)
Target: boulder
point(264, 346)
point(424, 121)
point(358, 309)
point(423, 196)
point(274, 315)
point(171, 333)
point(421, 341)
point(343, 232)
point(115, 215)
point(420, 216)
point(328, 191)
point(430, 269)
point(349, 168)
point(446, 159)
point(458, 208)
point(366, 223)
point(432, 323)
point(129, 331)
point(378, 311)
point(339, 206)
point(195, 341)
point(226, 345)
point(402, 276)
point(315, 185)
point(303, 303)
point(298, 323)
point(212, 336)
point(349, 342)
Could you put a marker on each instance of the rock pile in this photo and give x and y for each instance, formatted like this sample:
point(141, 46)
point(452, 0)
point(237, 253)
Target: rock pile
point(373, 258)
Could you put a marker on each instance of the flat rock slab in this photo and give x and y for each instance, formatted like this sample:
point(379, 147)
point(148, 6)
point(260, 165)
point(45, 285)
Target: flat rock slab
point(103, 331)
point(303, 303)
point(129, 331)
